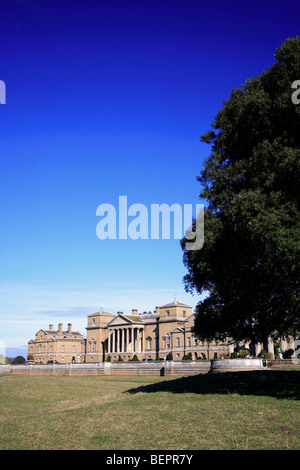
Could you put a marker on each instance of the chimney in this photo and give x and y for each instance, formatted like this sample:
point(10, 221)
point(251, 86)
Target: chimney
point(69, 327)
point(60, 325)
point(50, 327)
point(120, 313)
point(134, 311)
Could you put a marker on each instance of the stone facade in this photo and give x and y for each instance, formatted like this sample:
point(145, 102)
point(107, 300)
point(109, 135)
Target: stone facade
point(164, 333)
point(56, 345)
point(147, 335)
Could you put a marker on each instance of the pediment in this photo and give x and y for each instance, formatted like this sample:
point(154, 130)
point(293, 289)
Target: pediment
point(119, 320)
point(179, 329)
point(41, 331)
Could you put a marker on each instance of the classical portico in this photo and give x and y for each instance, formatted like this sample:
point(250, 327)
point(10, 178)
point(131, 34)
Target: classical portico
point(146, 335)
point(126, 334)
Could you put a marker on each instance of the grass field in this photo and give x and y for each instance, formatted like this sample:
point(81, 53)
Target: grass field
point(228, 411)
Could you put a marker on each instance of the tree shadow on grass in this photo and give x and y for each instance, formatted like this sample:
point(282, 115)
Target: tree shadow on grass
point(278, 384)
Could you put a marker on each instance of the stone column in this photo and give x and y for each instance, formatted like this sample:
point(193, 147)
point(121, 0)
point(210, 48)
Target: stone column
point(283, 345)
point(129, 345)
point(123, 339)
point(270, 346)
point(126, 339)
point(115, 340)
point(119, 340)
point(138, 342)
point(257, 349)
point(143, 341)
point(109, 341)
point(131, 339)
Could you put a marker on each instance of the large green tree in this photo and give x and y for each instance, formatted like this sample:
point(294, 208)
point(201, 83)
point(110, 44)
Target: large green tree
point(249, 265)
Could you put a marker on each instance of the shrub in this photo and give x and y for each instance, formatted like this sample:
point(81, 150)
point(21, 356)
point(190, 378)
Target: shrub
point(108, 359)
point(265, 355)
point(120, 359)
point(187, 357)
point(135, 359)
point(268, 355)
point(18, 360)
point(244, 352)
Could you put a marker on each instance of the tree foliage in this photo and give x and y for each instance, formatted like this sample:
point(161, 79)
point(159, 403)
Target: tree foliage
point(250, 262)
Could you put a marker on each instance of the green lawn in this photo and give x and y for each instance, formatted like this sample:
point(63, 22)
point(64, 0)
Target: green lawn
point(253, 410)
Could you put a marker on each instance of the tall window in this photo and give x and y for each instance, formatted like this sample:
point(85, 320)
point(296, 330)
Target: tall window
point(178, 342)
point(168, 340)
point(62, 349)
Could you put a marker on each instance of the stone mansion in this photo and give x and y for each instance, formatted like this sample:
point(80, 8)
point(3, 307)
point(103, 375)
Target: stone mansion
point(164, 333)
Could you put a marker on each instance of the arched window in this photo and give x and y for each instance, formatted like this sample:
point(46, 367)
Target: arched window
point(149, 339)
point(168, 340)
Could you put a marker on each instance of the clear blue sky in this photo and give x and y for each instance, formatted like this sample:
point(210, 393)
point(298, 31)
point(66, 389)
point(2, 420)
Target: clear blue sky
point(108, 98)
